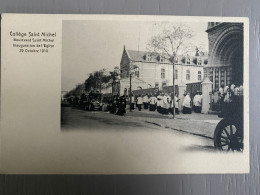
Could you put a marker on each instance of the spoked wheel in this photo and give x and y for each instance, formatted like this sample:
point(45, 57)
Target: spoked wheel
point(228, 136)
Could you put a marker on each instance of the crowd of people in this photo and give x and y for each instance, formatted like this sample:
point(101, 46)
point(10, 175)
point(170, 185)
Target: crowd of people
point(226, 93)
point(161, 102)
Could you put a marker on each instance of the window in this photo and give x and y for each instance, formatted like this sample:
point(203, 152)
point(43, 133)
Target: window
point(156, 85)
point(187, 74)
point(163, 73)
point(162, 59)
point(163, 84)
point(148, 57)
point(199, 61)
point(199, 75)
point(188, 61)
point(137, 72)
point(176, 60)
point(176, 74)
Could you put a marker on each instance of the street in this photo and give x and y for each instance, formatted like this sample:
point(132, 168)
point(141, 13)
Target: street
point(141, 142)
point(196, 130)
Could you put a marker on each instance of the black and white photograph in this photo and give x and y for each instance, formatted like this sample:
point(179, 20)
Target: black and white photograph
point(124, 94)
point(184, 79)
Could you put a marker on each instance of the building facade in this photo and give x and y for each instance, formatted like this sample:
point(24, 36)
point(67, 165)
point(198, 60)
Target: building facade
point(156, 70)
point(225, 54)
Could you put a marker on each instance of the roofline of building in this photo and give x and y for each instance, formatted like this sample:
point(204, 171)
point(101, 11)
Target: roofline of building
point(167, 63)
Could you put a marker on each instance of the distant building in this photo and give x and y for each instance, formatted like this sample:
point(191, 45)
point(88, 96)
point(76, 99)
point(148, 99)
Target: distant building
point(156, 70)
point(225, 64)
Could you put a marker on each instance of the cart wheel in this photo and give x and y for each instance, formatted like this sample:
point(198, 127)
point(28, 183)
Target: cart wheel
point(229, 135)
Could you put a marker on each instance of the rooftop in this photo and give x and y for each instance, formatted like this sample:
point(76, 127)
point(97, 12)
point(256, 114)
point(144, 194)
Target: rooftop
point(141, 56)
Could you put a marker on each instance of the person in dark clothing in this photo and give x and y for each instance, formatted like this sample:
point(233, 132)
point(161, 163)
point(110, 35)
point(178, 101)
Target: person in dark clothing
point(121, 106)
point(75, 101)
point(113, 106)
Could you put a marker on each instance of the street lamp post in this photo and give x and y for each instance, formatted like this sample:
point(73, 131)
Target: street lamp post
point(130, 91)
point(173, 89)
point(132, 71)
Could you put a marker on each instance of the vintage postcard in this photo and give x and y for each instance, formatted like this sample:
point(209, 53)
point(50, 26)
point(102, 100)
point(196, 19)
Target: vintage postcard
point(121, 94)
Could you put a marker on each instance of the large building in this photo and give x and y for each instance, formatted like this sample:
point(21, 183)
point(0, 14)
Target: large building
point(156, 70)
point(225, 54)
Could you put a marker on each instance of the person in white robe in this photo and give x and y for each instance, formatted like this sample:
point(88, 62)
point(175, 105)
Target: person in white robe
point(186, 104)
point(139, 102)
point(132, 106)
point(176, 104)
point(145, 101)
point(152, 101)
point(159, 103)
point(165, 105)
point(197, 103)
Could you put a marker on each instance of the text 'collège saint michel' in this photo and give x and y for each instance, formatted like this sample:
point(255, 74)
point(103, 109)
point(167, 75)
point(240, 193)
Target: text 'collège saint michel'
point(43, 39)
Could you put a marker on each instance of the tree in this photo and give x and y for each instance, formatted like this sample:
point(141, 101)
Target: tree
point(97, 80)
point(170, 39)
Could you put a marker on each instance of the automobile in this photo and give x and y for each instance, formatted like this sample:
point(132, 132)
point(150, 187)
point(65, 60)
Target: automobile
point(229, 132)
point(93, 101)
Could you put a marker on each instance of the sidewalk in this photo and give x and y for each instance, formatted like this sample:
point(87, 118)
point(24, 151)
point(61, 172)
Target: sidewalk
point(195, 123)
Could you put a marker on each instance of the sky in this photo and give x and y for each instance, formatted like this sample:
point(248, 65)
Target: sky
point(88, 46)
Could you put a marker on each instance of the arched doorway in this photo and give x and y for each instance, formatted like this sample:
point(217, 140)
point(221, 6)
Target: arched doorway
point(226, 58)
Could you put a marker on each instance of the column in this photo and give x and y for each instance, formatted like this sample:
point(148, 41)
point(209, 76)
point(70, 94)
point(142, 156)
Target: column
point(225, 77)
point(206, 89)
point(214, 78)
point(219, 78)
